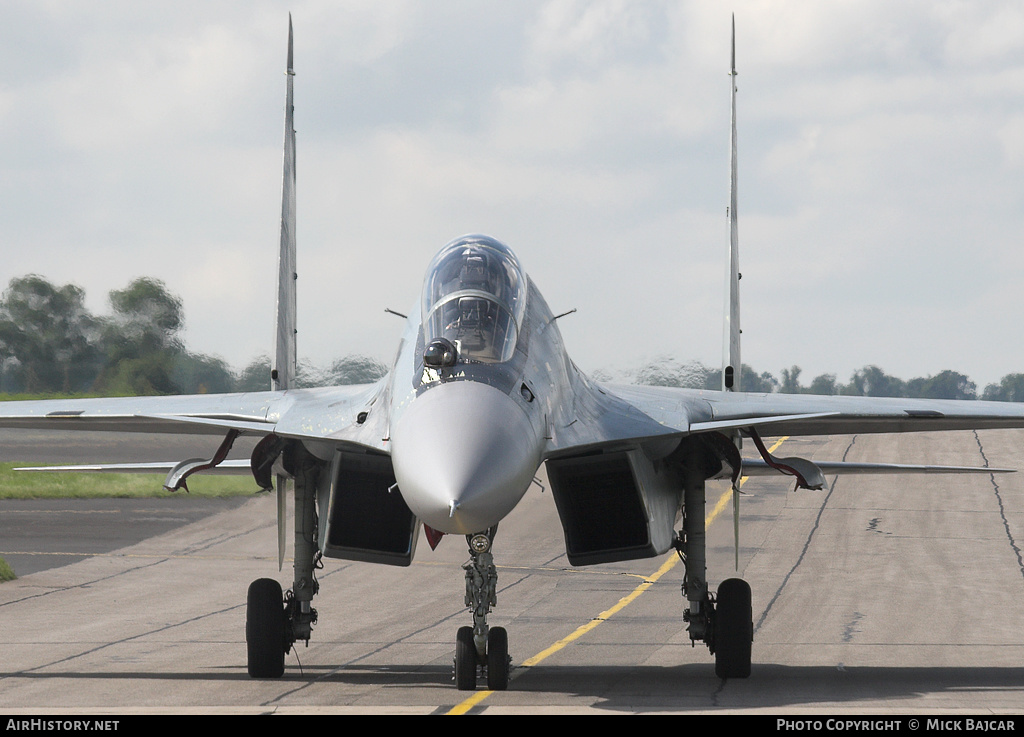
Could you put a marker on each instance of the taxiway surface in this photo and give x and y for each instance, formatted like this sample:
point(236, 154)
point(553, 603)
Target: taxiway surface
point(884, 594)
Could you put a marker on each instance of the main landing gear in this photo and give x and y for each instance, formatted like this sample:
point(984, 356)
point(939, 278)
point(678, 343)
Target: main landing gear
point(274, 621)
point(266, 637)
point(481, 648)
point(733, 630)
point(725, 622)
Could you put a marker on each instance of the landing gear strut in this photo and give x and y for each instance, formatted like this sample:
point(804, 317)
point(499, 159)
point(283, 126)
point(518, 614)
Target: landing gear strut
point(274, 622)
point(725, 622)
point(481, 647)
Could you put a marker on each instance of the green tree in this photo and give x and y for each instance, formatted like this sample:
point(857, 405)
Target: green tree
point(354, 369)
point(871, 381)
point(825, 385)
point(48, 336)
point(944, 385)
point(147, 318)
point(141, 340)
point(255, 377)
point(751, 381)
point(1009, 389)
point(791, 381)
point(195, 373)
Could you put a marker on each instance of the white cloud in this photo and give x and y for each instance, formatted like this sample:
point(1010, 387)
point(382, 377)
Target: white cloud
point(880, 151)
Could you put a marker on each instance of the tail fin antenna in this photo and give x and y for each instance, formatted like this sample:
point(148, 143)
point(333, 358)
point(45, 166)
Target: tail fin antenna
point(285, 356)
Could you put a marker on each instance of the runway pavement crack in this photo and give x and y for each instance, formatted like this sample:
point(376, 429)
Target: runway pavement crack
point(806, 546)
point(83, 584)
point(220, 539)
point(121, 641)
point(1002, 508)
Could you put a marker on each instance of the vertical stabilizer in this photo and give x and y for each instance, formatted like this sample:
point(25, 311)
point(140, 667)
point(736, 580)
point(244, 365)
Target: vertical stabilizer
point(732, 370)
point(732, 365)
point(285, 356)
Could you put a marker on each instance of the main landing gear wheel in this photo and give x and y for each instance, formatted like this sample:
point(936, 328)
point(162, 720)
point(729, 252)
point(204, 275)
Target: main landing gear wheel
point(465, 660)
point(734, 629)
point(497, 659)
point(265, 629)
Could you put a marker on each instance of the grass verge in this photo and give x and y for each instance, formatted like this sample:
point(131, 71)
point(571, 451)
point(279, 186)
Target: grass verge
point(46, 485)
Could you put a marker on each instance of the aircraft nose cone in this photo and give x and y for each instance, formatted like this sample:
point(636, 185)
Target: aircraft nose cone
point(464, 454)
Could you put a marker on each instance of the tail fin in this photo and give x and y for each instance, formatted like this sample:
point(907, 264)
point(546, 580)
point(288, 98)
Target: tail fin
point(733, 369)
point(733, 366)
point(285, 357)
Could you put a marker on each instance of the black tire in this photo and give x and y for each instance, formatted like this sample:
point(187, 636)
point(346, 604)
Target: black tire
point(465, 660)
point(497, 659)
point(265, 629)
point(734, 629)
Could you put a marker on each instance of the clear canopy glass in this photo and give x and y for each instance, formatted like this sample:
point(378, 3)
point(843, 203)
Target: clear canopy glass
point(475, 295)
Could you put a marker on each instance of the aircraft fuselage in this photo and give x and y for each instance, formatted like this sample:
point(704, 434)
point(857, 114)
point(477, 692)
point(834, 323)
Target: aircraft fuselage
point(478, 382)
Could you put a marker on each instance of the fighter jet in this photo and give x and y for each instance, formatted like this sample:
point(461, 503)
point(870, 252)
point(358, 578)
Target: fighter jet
point(480, 395)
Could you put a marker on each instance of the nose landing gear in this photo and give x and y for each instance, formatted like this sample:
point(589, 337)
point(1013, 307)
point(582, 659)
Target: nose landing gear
point(481, 648)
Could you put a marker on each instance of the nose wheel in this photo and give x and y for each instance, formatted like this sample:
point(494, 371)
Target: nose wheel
point(498, 660)
point(465, 660)
point(481, 648)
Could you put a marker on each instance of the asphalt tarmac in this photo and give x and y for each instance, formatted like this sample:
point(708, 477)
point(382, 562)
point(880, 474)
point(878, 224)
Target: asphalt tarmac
point(900, 594)
point(37, 534)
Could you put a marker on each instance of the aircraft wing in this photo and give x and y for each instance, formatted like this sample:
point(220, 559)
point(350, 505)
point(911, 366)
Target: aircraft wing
point(609, 416)
point(693, 411)
point(225, 468)
point(758, 467)
point(321, 413)
point(619, 417)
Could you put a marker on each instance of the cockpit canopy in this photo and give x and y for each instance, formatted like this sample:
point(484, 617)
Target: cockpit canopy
point(474, 296)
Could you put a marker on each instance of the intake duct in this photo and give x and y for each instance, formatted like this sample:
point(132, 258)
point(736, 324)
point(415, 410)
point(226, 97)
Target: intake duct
point(614, 506)
point(367, 519)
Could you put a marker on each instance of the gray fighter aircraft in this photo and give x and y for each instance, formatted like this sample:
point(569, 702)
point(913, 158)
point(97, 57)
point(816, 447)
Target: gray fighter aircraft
point(482, 393)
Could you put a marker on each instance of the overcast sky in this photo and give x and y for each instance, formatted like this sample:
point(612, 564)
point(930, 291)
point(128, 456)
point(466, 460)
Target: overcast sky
point(881, 161)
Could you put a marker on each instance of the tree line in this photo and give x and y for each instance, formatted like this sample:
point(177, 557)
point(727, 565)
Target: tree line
point(870, 381)
point(50, 342)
